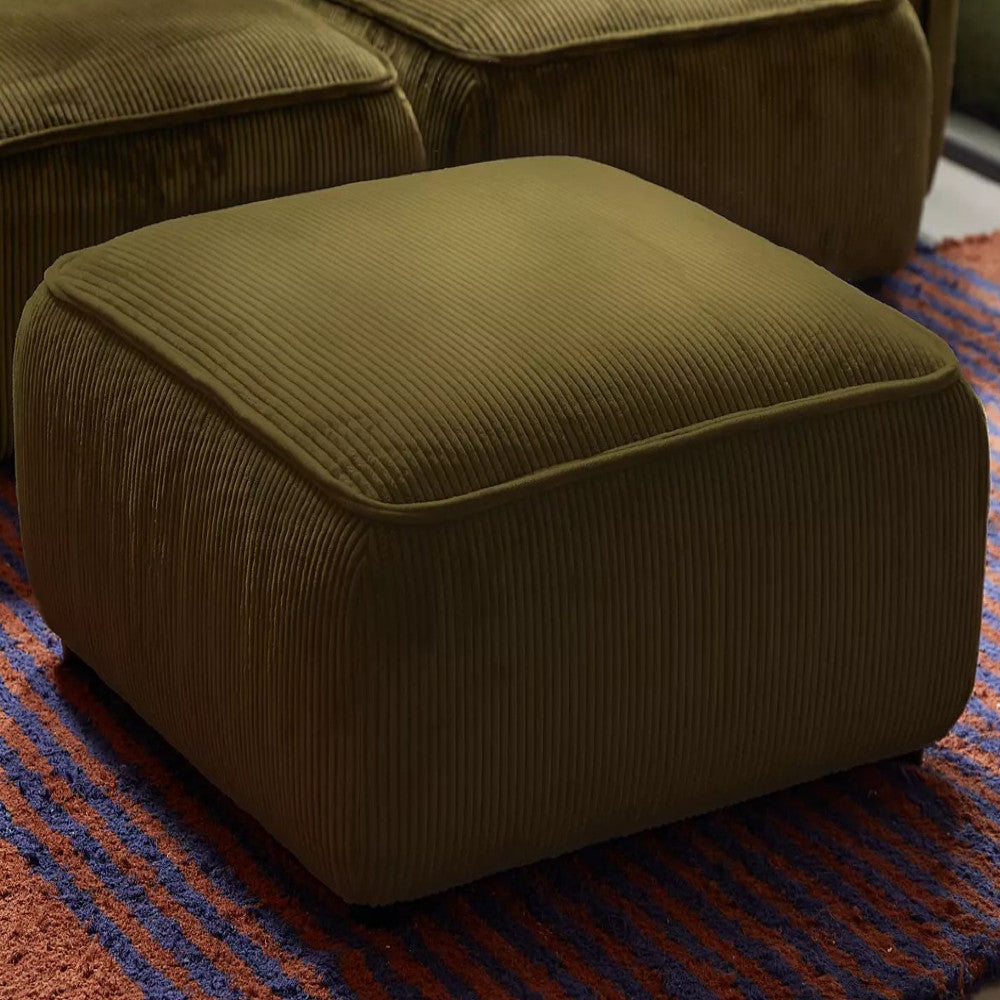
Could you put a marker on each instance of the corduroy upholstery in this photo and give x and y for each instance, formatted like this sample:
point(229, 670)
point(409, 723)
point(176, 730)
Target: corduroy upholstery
point(117, 113)
point(939, 19)
point(808, 123)
point(457, 546)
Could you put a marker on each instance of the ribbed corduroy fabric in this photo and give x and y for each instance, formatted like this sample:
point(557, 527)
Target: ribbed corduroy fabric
point(807, 123)
point(939, 19)
point(493, 30)
point(115, 115)
point(451, 548)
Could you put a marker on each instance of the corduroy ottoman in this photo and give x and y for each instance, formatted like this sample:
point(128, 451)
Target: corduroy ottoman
point(454, 520)
point(118, 113)
point(808, 121)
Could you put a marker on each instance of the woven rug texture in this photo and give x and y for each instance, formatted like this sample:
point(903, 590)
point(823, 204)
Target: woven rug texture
point(124, 874)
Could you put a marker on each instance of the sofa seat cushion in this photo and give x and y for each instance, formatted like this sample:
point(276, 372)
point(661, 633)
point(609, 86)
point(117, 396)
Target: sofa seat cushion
point(806, 121)
point(70, 68)
point(452, 521)
point(114, 115)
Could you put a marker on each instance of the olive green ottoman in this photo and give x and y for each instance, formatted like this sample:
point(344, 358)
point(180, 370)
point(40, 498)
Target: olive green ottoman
point(118, 113)
point(455, 520)
point(811, 122)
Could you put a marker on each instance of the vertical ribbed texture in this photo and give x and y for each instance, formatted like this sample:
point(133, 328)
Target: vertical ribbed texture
point(940, 23)
point(288, 674)
point(613, 656)
point(411, 704)
point(813, 131)
point(423, 705)
point(126, 874)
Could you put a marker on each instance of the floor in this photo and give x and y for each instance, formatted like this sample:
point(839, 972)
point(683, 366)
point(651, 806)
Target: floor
point(961, 203)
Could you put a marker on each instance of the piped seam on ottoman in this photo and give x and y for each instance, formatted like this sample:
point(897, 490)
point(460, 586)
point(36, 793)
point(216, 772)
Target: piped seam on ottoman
point(256, 425)
point(829, 10)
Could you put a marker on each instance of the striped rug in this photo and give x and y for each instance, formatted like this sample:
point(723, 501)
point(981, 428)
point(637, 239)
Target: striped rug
point(122, 874)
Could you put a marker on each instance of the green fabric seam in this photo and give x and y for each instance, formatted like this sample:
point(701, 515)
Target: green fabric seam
point(254, 422)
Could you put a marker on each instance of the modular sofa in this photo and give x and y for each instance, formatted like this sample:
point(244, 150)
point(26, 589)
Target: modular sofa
point(457, 518)
point(813, 123)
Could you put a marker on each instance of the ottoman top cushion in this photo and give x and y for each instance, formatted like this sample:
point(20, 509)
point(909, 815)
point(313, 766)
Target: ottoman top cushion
point(513, 29)
point(435, 343)
point(76, 67)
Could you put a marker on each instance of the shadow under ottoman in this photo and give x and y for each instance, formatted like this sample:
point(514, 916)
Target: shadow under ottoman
point(115, 114)
point(451, 521)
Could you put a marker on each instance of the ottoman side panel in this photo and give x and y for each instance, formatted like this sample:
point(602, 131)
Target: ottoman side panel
point(204, 581)
point(721, 622)
point(813, 133)
point(66, 196)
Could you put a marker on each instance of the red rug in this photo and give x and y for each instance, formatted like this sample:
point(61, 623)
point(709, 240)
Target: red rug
point(122, 874)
